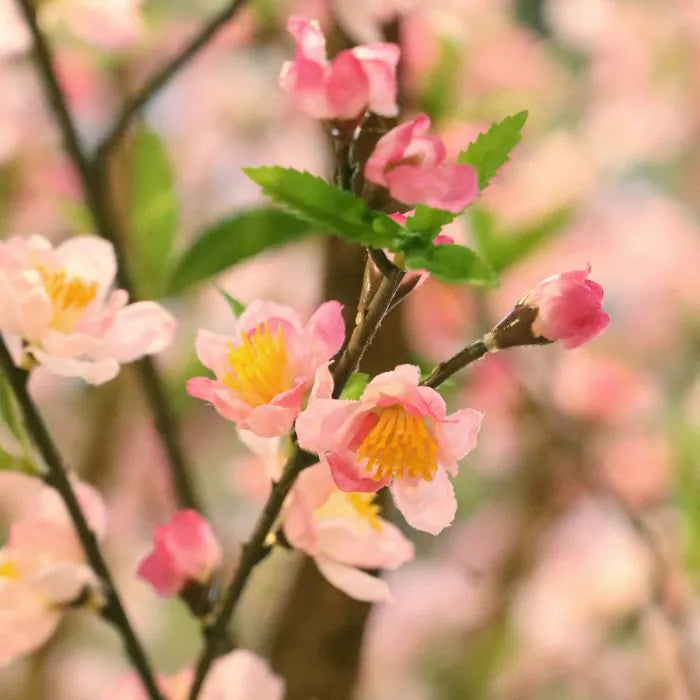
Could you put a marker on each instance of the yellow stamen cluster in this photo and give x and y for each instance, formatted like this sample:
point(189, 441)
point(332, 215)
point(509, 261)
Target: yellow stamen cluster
point(69, 296)
point(399, 445)
point(259, 366)
point(8, 569)
point(366, 508)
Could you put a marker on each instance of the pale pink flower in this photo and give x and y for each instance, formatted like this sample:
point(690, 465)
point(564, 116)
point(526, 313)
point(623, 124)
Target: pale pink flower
point(56, 309)
point(42, 568)
point(343, 533)
point(569, 308)
point(185, 550)
point(410, 163)
point(355, 80)
point(240, 675)
point(267, 367)
point(399, 434)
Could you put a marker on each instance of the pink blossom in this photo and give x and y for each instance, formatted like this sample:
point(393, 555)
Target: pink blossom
point(343, 533)
point(266, 368)
point(42, 567)
point(569, 308)
point(240, 675)
point(355, 80)
point(184, 550)
point(398, 434)
point(56, 309)
point(410, 163)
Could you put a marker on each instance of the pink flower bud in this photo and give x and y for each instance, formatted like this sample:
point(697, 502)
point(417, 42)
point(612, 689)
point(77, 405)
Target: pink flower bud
point(410, 163)
point(362, 78)
point(565, 307)
point(184, 550)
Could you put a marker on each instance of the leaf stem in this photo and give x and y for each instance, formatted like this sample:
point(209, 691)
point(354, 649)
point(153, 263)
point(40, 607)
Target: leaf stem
point(57, 477)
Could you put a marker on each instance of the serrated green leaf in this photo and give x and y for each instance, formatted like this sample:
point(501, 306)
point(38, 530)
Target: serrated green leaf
point(355, 386)
point(236, 306)
point(452, 263)
point(428, 221)
point(233, 240)
point(153, 211)
point(492, 148)
point(503, 249)
point(326, 206)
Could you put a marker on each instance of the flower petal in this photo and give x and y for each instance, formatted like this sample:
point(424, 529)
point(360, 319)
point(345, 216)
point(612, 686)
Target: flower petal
point(357, 584)
point(426, 505)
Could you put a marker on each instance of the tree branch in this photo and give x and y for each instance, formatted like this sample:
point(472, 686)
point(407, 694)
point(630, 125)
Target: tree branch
point(165, 74)
point(446, 369)
point(57, 477)
point(96, 188)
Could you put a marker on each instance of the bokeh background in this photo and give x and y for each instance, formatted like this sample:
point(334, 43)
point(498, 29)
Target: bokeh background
point(572, 570)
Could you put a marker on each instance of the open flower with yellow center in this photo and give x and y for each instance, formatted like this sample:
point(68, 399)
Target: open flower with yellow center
point(343, 533)
point(397, 434)
point(57, 310)
point(42, 569)
point(267, 367)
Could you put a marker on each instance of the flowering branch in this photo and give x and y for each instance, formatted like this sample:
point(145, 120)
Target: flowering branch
point(94, 182)
point(57, 477)
point(165, 74)
point(446, 369)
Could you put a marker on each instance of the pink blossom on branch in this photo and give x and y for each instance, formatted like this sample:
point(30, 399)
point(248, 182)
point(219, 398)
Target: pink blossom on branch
point(410, 163)
point(265, 370)
point(42, 568)
point(184, 550)
point(397, 434)
point(355, 80)
point(566, 307)
point(57, 310)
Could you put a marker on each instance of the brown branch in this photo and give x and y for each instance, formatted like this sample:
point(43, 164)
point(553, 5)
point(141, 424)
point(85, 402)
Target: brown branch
point(57, 477)
point(95, 185)
point(446, 369)
point(136, 103)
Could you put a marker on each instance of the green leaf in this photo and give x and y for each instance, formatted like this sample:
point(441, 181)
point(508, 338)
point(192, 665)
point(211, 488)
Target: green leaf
point(491, 149)
point(355, 386)
point(236, 306)
point(233, 240)
point(326, 206)
point(153, 211)
point(452, 263)
point(504, 249)
point(428, 221)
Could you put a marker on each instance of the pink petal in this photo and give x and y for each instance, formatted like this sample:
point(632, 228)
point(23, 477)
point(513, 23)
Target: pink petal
point(193, 545)
point(317, 425)
point(327, 325)
point(457, 436)
point(160, 570)
point(213, 350)
point(258, 312)
point(97, 372)
point(305, 82)
point(379, 62)
point(348, 476)
point(143, 328)
point(242, 675)
point(323, 384)
point(347, 87)
point(355, 583)
point(309, 38)
point(90, 258)
point(269, 420)
point(426, 505)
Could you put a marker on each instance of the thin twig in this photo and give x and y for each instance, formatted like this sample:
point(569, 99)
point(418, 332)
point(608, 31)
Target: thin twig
point(57, 477)
point(95, 185)
point(165, 74)
point(447, 368)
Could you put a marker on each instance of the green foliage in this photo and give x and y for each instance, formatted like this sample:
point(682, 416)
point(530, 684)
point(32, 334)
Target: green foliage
point(440, 86)
point(326, 206)
point(428, 221)
point(492, 148)
point(503, 249)
point(355, 386)
point(233, 240)
point(153, 211)
point(451, 263)
point(16, 451)
point(237, 308)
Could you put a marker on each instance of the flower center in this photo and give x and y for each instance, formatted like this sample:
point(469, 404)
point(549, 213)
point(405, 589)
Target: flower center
point(69, 296)
point(259, 366)
point(8, 569)
point(399, 445)
point(351, 506)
